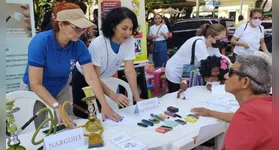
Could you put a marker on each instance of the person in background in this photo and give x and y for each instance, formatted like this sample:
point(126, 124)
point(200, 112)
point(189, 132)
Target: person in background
point(226, 40)
point(52, 54)
point(108, 51)
point(240, 22)
point(249, 80)
point(213, 69)
point(88, 33)
point(208, 36)
point(95, 21)
point(159, 34)
point(249, 37)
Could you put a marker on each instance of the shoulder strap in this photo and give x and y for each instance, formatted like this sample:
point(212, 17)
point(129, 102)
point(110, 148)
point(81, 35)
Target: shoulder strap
point(193, 52)
point(260, 29)
point(246, 26)
point(244, 30)
point(159, 28)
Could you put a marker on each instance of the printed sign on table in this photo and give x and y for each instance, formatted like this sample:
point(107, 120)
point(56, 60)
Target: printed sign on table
point(146, 105)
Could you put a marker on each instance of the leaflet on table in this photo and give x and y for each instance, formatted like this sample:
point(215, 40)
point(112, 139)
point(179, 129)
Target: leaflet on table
point(224, 103)
point(124, 142)
point(218, 89)
point(146, 105)
point(125, 121)
point(209, 130)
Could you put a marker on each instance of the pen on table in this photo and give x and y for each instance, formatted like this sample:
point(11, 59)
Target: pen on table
point(176, 115)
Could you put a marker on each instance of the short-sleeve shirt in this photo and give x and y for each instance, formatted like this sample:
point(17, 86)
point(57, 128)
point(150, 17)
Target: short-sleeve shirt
point(45, 52)
point(104, 57)
point(250, 36)
point(251, 126)
point(154, 29)
point(174, 66)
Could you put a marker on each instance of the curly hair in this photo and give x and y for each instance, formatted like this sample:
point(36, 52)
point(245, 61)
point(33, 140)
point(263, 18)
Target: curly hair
point(211, 62)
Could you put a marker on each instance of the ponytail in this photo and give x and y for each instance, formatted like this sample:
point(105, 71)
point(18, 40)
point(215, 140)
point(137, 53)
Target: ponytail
point(202, 30)
point(213, 30)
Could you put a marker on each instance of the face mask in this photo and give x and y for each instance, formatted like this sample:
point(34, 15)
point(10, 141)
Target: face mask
point(256, 22)
point(217, 44)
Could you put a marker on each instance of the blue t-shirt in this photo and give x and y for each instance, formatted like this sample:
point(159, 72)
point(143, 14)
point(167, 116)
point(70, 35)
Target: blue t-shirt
point(45, 52)
point(114, 46)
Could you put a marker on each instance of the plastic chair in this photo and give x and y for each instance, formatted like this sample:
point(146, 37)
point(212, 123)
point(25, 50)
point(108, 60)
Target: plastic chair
point(113, 84)
point(25, 100)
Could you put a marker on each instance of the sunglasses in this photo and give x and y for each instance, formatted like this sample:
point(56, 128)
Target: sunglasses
point(241, 74)
point(78, 29)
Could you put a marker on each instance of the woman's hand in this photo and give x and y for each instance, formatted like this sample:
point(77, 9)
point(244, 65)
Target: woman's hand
point(58, 112)
point(209, 86)
point(107, 112)
point(155, 36)
point(183, 86)
point(121, 100)
point(179, 93)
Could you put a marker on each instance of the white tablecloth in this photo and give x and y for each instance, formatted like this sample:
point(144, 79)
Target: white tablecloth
point(180, 137)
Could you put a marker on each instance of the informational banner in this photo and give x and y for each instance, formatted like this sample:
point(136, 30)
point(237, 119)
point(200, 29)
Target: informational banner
point(215, 3)
point(19, 32)
point(137, 6)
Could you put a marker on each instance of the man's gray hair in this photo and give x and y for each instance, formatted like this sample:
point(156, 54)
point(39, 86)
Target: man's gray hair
point(258, 68)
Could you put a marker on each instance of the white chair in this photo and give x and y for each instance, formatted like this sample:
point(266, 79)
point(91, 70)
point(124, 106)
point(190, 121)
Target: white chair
point(113, 84)
point(25, 100)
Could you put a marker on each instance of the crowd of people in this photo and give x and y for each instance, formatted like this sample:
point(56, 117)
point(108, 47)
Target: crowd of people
point(60, 57)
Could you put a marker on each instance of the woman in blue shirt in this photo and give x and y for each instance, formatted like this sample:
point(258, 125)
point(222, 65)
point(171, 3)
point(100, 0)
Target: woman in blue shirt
point(51, 56)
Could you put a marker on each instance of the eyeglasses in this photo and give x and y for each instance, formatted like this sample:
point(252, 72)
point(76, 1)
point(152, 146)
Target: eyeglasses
point(241, 74)
point(257, 18)
point(77, 29)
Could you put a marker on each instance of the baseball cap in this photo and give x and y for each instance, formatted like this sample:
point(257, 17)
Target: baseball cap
point(75, 17)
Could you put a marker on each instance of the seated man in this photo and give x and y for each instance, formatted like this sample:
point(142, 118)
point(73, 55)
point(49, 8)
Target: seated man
point(249, 80)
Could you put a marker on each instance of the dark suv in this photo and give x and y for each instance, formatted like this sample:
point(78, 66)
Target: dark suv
point(184, 29)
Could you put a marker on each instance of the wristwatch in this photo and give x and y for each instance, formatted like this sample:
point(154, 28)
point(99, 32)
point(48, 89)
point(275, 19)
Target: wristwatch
point(55, 105)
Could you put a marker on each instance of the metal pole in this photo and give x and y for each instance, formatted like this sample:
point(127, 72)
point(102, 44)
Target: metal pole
point(241, 3)
point(213, 8)
point(198, 8)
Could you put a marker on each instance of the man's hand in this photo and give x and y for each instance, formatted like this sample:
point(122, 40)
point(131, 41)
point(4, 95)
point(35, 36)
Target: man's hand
point(200, 111)
point(107, 112)
point(121, 100)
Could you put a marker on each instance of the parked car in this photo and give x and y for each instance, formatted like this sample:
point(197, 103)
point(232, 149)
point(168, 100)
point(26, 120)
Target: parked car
point(184, 29)
point(268, 34)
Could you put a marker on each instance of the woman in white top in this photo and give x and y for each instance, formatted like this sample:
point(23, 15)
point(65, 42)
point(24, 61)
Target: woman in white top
point(108, 52)
point(249, 37)
point(159, 34)
point(208, 39)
